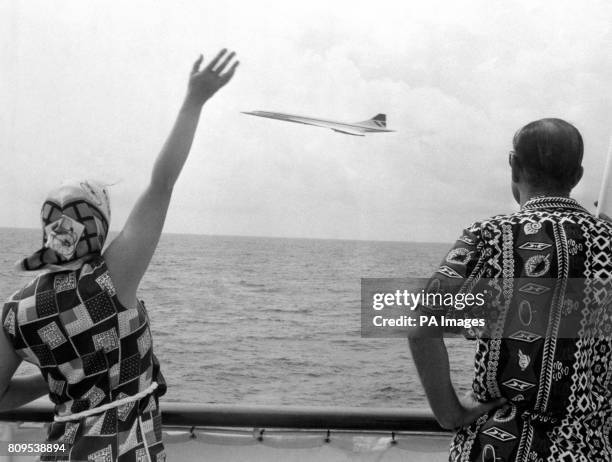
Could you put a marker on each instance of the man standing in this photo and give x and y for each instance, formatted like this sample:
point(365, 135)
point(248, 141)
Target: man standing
point(542, 388)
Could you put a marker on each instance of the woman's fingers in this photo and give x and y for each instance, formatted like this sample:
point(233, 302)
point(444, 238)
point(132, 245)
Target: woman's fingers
point(196, 64)
point(221, 67)
point(213, 63)
point(230, 73)
point(217, 66)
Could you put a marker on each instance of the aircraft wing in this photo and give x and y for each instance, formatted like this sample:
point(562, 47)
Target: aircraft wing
point(337, 127)
point(348, 132)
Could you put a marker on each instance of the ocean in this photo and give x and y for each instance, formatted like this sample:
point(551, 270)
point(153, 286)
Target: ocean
point(249, 320)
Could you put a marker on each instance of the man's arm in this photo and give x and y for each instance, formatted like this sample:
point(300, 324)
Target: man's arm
point(130, 253)
point(427, 343)
point(431, 359)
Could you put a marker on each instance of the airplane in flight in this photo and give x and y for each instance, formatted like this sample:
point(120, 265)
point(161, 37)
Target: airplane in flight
point(376, 124)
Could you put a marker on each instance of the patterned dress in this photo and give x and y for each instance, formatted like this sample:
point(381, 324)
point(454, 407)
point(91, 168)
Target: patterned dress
point(548, 349)
point(92, 351)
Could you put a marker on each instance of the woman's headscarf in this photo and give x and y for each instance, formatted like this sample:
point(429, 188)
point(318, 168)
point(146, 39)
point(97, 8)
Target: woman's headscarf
point(75, 219)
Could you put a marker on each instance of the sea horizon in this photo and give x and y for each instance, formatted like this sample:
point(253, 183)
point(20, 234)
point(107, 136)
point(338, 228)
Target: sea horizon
point(114, 232)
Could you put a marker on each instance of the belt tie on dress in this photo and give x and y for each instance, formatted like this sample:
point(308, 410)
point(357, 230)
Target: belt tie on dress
point(107, 406)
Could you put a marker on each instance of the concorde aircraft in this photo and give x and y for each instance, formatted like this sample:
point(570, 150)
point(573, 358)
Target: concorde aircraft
point(376, 124)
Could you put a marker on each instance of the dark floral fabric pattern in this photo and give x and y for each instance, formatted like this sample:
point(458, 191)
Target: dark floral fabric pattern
point(548, 348)
point(92, 351)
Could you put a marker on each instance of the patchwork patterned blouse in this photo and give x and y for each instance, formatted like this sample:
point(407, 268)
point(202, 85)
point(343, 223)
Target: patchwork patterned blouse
point(93, 353)
point(548, 349)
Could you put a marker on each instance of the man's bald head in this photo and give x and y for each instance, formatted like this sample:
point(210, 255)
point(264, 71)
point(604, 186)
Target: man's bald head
point(550, 153)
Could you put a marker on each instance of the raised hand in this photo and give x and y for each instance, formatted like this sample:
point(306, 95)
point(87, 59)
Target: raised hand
point(130, 253)
point(206, 82)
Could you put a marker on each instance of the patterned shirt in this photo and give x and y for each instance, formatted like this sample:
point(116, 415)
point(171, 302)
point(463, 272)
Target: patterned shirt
point(548, 344)
point(91, 351)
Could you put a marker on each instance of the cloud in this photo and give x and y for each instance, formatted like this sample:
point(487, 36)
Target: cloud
point(94, 93)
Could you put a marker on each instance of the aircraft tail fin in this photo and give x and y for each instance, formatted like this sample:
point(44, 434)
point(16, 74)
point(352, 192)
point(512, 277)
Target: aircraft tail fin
point(378, 121)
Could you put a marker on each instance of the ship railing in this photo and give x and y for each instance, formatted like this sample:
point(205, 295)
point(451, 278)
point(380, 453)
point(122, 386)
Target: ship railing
point(257, 416)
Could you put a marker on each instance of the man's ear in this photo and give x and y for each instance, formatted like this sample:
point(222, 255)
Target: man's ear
point(577, 177)
point(516, 169)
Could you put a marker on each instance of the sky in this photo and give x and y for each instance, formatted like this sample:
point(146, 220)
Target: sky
point(90, 90)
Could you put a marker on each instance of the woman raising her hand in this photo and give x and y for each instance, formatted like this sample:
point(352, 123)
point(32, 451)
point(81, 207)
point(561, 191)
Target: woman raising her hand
point(80, 321)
